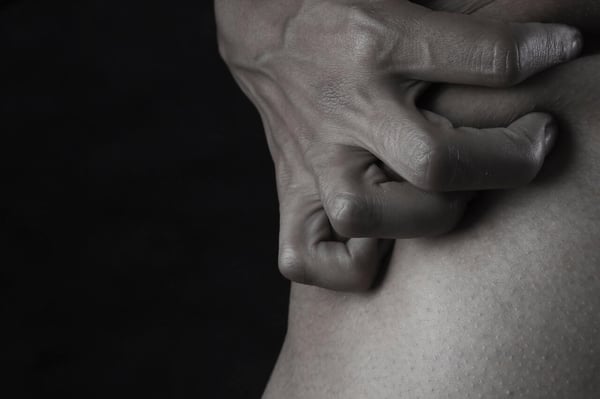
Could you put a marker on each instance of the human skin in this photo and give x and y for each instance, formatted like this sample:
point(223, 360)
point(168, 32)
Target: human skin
point(336, 81)
point(506, 306)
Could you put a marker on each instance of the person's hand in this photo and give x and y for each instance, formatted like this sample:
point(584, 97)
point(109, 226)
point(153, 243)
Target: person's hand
point(336, 82)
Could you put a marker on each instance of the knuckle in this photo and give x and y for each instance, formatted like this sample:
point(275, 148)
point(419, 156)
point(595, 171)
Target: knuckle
point(505, 64)
point(363, 31)
point(430, 165)
point(292, 265)
point(349, 214)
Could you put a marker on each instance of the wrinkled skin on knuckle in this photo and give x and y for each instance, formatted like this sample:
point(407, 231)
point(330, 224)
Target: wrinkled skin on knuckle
point(337, 35)
point(505, 67)
point(428, 162)
point(497, 57)
point(366, 34)
point(292, 265)
point(429, 168)
point(349, 214)
point(314, 80)
point(342, 39)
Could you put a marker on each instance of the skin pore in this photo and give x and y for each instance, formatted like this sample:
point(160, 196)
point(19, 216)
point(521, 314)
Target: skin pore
point(506, 306)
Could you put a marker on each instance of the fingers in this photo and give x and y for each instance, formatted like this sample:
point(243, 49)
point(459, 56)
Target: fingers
point(483, 107)
point(361, 200)
point(497, 158)
point(309, 252)
point(457, 48)
point(434, 156)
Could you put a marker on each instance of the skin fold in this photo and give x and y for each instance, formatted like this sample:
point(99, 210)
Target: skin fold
point(507, 305)
point(336, 82)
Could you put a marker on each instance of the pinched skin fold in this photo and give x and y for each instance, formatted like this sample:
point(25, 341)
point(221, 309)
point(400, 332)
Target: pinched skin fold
point(357, 162)
point(507, 306)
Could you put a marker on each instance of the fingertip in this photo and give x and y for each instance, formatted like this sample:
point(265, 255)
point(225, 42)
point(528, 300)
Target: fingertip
point(550, 136)
point(573, 42)
point(291, 265)
point(545, 45)
point(564, 42)
point(540, 127)
point(533, 120)
point(549, 128)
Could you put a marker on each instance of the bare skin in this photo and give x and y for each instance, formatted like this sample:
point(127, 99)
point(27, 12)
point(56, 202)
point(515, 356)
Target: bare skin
point(336, 83)
point(506, 306)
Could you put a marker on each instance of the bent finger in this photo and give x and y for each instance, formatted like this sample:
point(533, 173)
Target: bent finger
point(483, 159)
point(362, 200)
point(425, 149)
point(310, 253)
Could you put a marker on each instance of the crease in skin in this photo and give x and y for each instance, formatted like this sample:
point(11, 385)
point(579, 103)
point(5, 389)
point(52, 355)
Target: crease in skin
point(321, 53)
point(516, 310)
point(453, 153)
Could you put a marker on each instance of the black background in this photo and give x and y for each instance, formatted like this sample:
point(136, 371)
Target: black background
point(139, 215)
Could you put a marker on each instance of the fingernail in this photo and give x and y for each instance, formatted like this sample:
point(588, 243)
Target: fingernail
point(550, 133)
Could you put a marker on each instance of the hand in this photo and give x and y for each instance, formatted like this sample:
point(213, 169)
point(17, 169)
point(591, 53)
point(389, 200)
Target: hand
point(336, 83)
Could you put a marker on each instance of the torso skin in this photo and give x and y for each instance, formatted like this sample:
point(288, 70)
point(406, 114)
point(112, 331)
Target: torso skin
point(507, 306)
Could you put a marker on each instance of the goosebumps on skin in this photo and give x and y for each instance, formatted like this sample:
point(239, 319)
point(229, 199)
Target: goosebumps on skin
point(336, 82)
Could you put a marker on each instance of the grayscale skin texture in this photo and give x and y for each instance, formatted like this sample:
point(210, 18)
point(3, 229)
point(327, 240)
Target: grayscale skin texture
point(506, 306)
point(357, 162)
